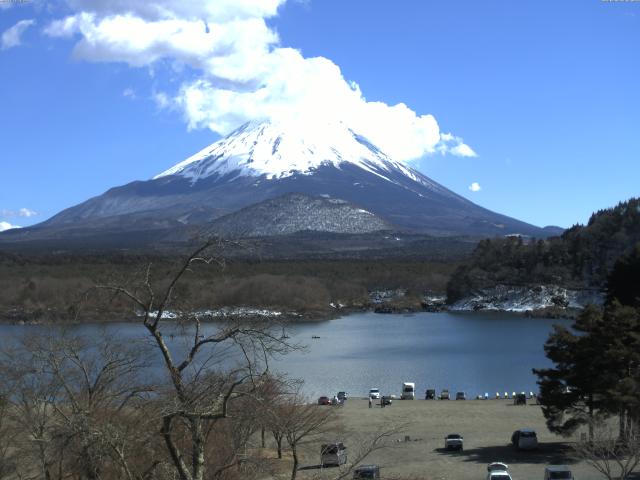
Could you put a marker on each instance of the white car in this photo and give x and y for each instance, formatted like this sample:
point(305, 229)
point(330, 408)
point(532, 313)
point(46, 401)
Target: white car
point(453, 441)
point(498, 471)
point(374, 393)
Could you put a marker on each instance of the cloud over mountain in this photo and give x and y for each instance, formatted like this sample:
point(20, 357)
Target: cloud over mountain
point(233, 69)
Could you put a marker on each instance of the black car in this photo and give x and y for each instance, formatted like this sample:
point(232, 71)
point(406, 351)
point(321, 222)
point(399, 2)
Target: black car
point(430, 394)
point(366, 472)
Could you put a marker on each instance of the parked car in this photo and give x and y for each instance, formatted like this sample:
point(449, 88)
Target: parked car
point(333, 454)
point(342, 395)
point(324, 401)
point(525, 439)
point(461, 396)
point(386, 400)
point(498, 471)
point(430, 394)
point(444, 394)
point(520, 399)
point(558, 472)
point(366, 472)
point(453, 441)
point(374, 393)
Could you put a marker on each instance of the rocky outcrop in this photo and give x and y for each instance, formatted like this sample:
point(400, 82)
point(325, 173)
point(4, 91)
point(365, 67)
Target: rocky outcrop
point(510, 298)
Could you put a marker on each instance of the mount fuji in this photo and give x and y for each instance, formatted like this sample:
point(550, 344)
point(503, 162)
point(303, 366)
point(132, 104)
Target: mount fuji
point(268, 162)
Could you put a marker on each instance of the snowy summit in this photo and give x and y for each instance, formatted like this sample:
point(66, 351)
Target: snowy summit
point(279, 150)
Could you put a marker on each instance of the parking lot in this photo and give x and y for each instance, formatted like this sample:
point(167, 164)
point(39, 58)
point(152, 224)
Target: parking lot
point(417, 452)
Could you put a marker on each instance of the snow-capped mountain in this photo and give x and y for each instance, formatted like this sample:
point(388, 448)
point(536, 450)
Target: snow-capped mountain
point(261, 161)
point(276, 151)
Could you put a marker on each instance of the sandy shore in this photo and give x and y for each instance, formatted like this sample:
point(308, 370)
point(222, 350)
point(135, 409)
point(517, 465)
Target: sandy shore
point(486, 426)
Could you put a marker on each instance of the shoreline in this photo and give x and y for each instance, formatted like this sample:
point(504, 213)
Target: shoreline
point(15, 317)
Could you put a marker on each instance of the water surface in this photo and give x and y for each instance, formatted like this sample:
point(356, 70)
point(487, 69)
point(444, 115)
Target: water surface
point(471, 352)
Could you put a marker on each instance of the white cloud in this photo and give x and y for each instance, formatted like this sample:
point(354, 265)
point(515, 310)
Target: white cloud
point(11, 37)
point(27, 212)
point(242, 71)
point(475, 187)
point(7, 226)
point(449, 143)
point(129, 93)
point(23, 212)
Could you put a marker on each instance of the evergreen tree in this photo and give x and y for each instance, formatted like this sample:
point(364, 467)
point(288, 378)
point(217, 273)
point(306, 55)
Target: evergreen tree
point(597, 361)
point(574, 390)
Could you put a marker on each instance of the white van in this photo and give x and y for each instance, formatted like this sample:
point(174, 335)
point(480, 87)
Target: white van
point(408, 391)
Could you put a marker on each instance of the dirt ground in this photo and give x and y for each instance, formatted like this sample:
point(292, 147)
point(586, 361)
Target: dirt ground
point(486, 426)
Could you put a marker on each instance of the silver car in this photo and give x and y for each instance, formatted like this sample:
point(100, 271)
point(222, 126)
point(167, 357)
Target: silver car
point(454, 441)
point(498, 471)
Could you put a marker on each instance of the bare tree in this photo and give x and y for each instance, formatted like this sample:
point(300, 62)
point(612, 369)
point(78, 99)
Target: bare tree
point(202, 387)
point(612, 455)
point(8, 434)
point(73, 407)
point(366, 445)
point(300, 422)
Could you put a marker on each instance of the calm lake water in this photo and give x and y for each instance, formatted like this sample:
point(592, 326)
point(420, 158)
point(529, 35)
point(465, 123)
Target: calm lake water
point(472, 352)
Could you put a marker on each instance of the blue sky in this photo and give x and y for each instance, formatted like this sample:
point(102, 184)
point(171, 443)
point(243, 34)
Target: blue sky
point(546, 93)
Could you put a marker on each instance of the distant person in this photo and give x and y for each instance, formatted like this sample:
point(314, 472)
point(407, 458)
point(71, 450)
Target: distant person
point(370, 401)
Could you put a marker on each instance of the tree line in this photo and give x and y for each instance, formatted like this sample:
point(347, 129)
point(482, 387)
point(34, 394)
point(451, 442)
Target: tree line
point(582, 257)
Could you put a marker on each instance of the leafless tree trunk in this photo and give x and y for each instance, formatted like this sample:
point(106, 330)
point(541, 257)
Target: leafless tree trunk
point(73, 404)
point(613, 456)
point(197, 395)
point(300, 421)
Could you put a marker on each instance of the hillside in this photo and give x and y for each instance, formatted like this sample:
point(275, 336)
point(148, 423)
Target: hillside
point(296, 212)
point(581, 258)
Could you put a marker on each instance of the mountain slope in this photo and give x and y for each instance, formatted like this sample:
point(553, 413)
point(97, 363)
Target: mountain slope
point(261, 161)
point(296, 212)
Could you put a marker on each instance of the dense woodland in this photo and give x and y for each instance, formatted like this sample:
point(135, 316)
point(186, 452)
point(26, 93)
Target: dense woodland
point(50, 288)
point(581, 258)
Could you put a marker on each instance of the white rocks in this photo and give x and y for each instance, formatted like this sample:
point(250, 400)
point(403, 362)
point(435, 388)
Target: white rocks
point(512, 298)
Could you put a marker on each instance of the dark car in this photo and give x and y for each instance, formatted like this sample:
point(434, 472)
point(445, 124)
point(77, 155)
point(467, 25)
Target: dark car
point(324, 401)
point(366, 472)
point(525, 439)
point(342, 395)
point(461, 396)
point(430, 394)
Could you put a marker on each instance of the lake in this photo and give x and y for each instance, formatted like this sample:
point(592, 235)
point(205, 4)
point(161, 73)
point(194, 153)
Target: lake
point(473, 352)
